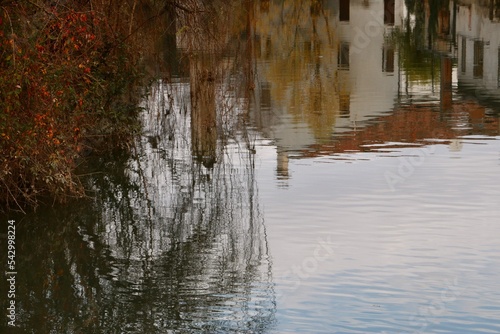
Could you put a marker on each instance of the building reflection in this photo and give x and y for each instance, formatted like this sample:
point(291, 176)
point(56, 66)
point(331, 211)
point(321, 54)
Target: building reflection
point(353, 65)
point(314, 78)
point(478, 35)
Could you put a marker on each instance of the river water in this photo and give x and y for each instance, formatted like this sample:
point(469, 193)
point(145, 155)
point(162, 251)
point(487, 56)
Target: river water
point(341, 175)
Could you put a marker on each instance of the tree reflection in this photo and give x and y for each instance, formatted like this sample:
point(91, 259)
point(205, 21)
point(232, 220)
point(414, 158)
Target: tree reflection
point(170, 241)
point(299, 41)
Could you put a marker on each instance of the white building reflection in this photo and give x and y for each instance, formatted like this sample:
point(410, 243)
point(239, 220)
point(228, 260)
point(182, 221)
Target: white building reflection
point(372, 76)
point(326, 69)
point(323, 68)
point(478, 39)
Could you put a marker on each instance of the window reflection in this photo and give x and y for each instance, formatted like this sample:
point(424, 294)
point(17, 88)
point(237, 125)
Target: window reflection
point(478, 59)
point(344, 103)
point(495, 10)
point(498, 70)
point(265, 96)
point(268, 47)
point(344, 10)
point(389, 10)
point(257, 45)
point(388, 59)
point(463, 65)
point(343, 57)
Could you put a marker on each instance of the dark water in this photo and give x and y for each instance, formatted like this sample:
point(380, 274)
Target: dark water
point(335, 171)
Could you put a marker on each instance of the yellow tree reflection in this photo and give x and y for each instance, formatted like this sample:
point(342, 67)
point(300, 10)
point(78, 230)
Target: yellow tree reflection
point(299, 45)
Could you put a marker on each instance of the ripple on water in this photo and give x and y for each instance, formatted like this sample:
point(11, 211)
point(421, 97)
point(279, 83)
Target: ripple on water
point(422, 258)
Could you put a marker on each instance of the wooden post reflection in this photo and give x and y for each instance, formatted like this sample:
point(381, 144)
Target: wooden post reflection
point(203, 107)
point(446, 83)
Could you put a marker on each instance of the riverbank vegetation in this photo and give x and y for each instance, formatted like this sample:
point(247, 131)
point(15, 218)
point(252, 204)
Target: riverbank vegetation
point(68, 77)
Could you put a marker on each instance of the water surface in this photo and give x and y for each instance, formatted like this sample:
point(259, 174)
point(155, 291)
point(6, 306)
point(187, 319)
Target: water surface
point(333, 171)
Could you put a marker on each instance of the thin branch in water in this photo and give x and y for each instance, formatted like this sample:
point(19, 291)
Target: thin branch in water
point(12, 34)
point(13, 197)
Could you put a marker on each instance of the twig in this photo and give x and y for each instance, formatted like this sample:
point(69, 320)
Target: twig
point(160, 13)
point(132, 17)
point(14, 198)
point(88, 174)
point(40, 7)
point(12, 34)
point(181, 7)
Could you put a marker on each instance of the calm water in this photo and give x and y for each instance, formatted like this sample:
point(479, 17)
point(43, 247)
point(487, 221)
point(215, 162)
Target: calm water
point(340, 174)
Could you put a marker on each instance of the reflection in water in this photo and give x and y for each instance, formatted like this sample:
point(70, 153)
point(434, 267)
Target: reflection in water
point(325, 98)
point(175, 238)
point(198, 229)
point(478, 50)
point(446, 83)
point(410, 68)
point(203, 109)
point(316, 73)
point(167, 243)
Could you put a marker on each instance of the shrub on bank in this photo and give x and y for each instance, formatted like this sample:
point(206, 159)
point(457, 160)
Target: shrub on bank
point(63, 73)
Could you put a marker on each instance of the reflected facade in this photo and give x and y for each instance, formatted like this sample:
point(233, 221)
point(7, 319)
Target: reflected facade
point(479, 47)
point(360, 60)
